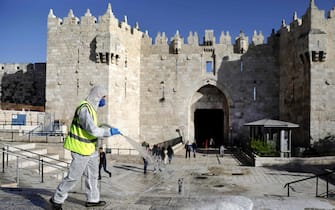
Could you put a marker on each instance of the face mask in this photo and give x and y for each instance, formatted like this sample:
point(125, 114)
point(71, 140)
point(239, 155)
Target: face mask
point(102, 102)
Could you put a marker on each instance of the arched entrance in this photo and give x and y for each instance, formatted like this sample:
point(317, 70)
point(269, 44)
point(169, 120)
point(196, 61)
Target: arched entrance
point(209, 116)
point(208, 127)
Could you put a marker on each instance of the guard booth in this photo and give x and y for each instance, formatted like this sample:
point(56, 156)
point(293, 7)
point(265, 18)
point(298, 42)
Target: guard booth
point(277, 132)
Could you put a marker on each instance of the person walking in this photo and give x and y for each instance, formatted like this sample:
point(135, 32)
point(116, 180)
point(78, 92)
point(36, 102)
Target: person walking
point(194, 149)
point(146, 146)
point(163, 155)
point(82, 142)
point(103, 163)
point(170, 153)
point(222, 150)
point(156, 153)
point(188, 147)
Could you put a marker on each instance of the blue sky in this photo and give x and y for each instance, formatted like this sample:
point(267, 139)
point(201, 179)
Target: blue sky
point(23, 31)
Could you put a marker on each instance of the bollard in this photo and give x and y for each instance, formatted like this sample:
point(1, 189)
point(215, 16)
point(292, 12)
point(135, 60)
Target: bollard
point(42, 172)
point(17, 171)
point(3, 160)
point(7, 155)
point(180, 185)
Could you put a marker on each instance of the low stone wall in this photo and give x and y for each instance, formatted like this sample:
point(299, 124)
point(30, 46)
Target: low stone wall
point(277, 161)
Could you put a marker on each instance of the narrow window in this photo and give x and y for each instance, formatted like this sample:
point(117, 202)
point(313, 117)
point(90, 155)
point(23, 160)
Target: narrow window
point(241, 66)
point(322, 56)
point(255, 93)
point(255, 90)
point(209, 66)
point(315, 56)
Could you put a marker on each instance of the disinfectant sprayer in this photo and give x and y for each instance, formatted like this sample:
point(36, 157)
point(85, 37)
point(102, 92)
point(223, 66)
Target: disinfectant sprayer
point(142, 151)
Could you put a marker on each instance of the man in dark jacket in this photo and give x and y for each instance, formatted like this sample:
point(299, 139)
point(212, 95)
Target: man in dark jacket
point(103, 163)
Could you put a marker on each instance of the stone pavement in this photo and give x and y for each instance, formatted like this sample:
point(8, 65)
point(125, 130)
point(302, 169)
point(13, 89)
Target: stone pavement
point(208, 182)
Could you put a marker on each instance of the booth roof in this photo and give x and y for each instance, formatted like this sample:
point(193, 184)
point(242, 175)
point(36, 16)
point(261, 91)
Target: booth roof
point(268, 123)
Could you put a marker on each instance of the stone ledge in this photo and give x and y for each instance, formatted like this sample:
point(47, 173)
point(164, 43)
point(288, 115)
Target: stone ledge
point(276, 161)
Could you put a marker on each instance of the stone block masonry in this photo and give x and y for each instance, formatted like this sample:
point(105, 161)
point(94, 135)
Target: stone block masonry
point(158, 88)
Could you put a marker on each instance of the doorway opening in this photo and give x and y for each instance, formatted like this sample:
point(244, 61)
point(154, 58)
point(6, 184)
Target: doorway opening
point(209, 124)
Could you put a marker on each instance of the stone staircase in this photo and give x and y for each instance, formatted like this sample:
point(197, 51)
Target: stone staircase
point(23, 164)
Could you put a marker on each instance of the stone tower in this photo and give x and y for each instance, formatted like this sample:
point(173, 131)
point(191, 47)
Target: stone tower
point(307, 74)
point(85, 52)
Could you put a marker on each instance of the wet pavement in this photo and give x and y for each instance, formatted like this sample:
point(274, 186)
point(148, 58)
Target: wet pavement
point(204, 182)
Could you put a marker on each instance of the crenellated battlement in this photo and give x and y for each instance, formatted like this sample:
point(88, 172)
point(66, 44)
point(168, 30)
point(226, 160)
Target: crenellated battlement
point(177, 42)
point(310, 33)
point(208, 39)
point(89, 20)
point(314, 18)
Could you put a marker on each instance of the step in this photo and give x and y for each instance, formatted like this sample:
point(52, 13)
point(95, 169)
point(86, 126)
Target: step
point(9, 185)
point(29, 169)
point(8, 179)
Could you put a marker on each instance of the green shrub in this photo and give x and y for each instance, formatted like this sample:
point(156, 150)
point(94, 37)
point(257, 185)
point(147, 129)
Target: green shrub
point(263, 148)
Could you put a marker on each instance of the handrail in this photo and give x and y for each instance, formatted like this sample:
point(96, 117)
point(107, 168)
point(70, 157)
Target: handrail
point(42, 162)
point(35, 153)
point(33, 130)
point(37, 160)
point(34, 159)
point(311, 177)
point(121, 149)
point(30, 136)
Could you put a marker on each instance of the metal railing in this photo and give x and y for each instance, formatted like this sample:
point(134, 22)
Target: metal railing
point(38, 136)
point(122, 151)
point(6, 152)
point(40, 156)
point(326, 175)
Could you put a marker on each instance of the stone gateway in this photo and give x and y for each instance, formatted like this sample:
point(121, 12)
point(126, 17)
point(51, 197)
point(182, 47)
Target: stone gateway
point(163, 88)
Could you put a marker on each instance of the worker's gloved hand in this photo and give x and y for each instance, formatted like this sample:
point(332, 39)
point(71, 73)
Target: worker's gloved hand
point(115, 131)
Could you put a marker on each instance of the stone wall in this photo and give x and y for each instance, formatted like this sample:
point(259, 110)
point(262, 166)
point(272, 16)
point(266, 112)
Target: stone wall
point(174, 85)
point(22, 84)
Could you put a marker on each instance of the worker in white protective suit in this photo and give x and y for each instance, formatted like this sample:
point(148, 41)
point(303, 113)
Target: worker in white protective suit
point(82, 142)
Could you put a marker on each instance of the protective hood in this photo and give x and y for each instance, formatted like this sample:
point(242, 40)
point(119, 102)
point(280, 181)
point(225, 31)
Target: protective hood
point(96, 93)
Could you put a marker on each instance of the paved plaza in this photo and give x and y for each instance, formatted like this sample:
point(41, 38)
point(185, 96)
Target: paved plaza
point(205, 182)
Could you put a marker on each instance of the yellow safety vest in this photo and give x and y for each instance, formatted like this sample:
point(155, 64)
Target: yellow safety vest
point(79, 140)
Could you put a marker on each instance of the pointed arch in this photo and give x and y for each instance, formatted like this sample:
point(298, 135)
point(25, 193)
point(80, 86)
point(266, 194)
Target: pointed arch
point(209, 94)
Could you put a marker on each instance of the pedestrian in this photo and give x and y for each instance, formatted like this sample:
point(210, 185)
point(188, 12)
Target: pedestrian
point(145, 160)
point(211, 143)
point(194, 149)
point(103, 163)
point(221, 150)
point(188, 147)
point(170, 153)
point(163, 154)
point(156, 153)
point(82, 142)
